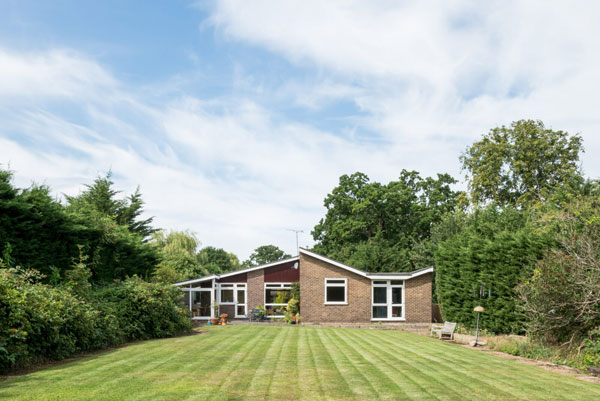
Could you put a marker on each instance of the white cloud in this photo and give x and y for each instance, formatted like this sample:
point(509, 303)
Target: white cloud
point(428, 78)
point(57, 73)
point(433, 76)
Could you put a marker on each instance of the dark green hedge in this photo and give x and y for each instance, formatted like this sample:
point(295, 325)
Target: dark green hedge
point(492, 246)
point(39, 322)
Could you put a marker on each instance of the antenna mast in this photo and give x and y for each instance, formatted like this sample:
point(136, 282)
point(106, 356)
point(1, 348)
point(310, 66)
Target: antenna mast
point(295, 231)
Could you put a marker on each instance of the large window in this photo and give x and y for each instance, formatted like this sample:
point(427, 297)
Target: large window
point(227, 294)
point(388, 300)
point(336, 291)
point(277, 296)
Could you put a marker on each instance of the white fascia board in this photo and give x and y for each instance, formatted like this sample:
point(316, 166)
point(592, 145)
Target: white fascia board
point(396, 276)
point(250, 269)
point(333, 262)
point(196, 280)
point(218, 276)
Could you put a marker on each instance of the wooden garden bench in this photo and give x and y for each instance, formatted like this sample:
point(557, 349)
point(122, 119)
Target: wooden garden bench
point(445, 331)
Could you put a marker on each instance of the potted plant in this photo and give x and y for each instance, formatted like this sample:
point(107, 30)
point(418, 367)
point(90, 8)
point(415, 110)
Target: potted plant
point(224, 319)
point(215, 320)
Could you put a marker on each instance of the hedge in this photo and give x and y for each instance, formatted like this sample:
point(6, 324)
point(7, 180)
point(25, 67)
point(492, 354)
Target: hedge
point(40, 322)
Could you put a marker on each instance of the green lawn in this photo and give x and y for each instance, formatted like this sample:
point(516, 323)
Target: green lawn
point(285, 363)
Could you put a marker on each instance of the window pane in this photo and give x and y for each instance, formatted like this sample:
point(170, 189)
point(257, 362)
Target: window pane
point(396, 295)
point(379, 295)
point(380, 312)
point(241, 296)
point(241, 311)
point(397, 282)
point(396, 311)
point(336, 281)
point(226, 295)
point(277, 296)
point(379, 282)
point(336, 294)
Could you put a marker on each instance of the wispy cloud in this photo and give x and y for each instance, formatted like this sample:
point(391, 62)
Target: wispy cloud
point(343, 87)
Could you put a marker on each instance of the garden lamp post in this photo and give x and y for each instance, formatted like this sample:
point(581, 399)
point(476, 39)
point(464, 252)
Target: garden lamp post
point(477, 309)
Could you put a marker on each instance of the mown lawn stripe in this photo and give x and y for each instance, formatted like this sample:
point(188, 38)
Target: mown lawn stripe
point(447, 368)
point(339, 351)
point(333, 378)
point(286, 363)
point(409, 383)
point(310, 384)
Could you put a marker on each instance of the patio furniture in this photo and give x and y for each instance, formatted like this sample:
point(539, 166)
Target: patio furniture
point(445, 331)
point(256, 315)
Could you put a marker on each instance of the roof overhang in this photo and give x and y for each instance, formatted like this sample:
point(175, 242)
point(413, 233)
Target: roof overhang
point(229, 274)
point(400, 276)
point(372, 276)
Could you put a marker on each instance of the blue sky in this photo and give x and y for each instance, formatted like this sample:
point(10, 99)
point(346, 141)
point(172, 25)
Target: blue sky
point(237, 118)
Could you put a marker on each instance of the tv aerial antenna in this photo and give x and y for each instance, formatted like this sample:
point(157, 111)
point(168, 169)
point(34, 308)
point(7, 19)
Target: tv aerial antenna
point(295, 231)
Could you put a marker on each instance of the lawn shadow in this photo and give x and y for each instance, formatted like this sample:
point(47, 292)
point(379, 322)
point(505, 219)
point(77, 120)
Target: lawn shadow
point(19, 375)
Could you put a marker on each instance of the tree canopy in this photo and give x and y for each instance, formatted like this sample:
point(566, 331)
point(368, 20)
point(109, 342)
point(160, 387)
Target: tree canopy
point(265, 254)
point(379, 227)
point(178, 256)
point(521, 164)
point(45, 235)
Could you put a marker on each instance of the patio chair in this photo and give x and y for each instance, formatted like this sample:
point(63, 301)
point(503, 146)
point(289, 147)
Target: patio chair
point(445, 331)
point(256, 315)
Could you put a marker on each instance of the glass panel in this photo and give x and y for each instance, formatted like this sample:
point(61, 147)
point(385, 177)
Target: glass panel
point(397, 282)
point(201, 303)
point(379, 295)
point(336, 281)
point(226, 285)
point(240, 310)
point(226, 296)
point(336, 294)
point(396, 295)
point(379, 282)
point(241, 296)
point(396, 311)
point(380, 312)
point(277, 296)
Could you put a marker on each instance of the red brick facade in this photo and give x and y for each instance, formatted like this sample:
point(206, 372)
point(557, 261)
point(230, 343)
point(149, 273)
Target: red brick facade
point(313, 273)
point(417, 299)
point(256, 289)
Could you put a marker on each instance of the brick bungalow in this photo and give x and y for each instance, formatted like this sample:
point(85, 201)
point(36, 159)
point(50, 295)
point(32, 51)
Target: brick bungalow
point(330, 292)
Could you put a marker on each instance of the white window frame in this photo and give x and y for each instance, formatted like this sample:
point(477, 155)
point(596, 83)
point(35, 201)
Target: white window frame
point(272, 286)
point(234, 287)
point(213, 294)
point(388, 304)
point(241, 287)
point(226, 286)
point(344, 285)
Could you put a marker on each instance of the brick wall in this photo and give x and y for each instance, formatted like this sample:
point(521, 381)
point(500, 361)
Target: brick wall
point(418, 299)
point(312, 293)
point(256, 289)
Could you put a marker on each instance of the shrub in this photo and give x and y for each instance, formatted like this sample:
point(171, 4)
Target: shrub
point(39, 322)
point(144, 310)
